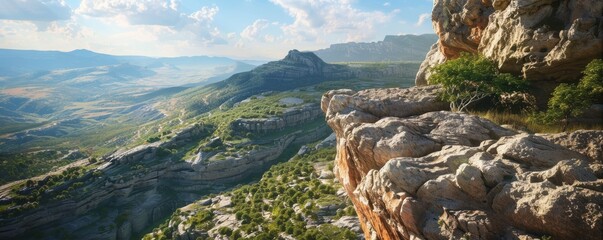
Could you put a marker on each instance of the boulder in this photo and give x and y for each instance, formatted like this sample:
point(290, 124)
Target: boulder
point(586, 142)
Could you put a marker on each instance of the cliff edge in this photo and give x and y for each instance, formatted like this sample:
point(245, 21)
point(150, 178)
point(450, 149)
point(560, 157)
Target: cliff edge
point(416, 171)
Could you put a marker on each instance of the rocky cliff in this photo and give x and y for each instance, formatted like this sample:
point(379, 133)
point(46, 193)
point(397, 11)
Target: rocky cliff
point(415, 171)
point(291, 117)
point(539, 39)
point(137, 187)
point(392, 48)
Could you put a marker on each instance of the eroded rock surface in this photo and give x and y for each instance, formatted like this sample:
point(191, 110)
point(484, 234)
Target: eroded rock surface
point(414, 171)
point(293, 116)
point(540, 39)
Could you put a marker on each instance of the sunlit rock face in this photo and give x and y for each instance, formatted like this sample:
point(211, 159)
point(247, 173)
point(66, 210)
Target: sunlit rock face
point(414, 171)
point(539, 39)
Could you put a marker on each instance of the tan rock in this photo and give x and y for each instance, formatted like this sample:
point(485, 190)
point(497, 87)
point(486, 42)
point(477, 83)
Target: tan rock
point(543, 40)
point(532, 150)
point(469, 179)
point(562, 212)
point(587, 142)
point(433, 58)
point(442, 175)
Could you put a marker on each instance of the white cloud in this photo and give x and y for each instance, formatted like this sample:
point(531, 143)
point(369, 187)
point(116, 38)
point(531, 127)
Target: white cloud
point(386, 4)
point(59, 35)
point(269, 38)
point(198, 26)
point(150, 12)
point(200, 23)
point(422, 18)
point(205, 14)
point(313, 20)
point(251, 32)
point(35, 10)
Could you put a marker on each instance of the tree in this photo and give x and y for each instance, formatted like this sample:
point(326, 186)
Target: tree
point(569, 101)
point(470, 78)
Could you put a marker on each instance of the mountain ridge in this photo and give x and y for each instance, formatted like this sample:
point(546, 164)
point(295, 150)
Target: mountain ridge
point(22, 61)
point(391, 48)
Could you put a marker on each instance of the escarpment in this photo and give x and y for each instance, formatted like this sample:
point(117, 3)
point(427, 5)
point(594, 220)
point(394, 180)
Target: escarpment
point(416, 171)
point(542, 40)
point(138, 187)
point(290, 117)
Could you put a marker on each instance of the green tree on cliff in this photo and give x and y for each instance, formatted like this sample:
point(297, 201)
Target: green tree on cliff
point(569, 100)
point(470, 78)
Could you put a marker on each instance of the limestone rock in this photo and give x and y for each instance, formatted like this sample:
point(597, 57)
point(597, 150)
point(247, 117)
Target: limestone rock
point(532, 150)
point(349, 222)
point(544, 39)
point(431, 174)
point(550, 40)
point(469, 179)
point(293, 116)
point(589, 143)
point(330, 141)
point(433, 58)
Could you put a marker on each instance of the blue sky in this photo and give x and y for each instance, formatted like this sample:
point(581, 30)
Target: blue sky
point(243, 29)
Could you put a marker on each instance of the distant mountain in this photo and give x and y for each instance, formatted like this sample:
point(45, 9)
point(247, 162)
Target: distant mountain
point(392, 48)
point(17, 62)
point(297, 69)
point(41, 86)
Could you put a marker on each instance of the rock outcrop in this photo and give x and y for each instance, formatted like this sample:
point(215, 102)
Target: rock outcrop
point(416, 172)
point(539, 39)
point(293, 116)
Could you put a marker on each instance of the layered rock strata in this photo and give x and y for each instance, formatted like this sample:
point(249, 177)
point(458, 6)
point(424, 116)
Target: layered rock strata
point(416, 172)
point(539, 39)
point(140, 186)
point(291, 117)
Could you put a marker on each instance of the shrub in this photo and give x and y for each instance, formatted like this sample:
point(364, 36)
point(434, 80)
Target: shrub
point(471, 78)
point(225, 231)
point(569, 101)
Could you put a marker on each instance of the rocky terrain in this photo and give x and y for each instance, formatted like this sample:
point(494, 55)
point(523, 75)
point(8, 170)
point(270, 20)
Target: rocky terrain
point(269, 208)
point(179, 160)
point(414, 170)
point(134, 188)
point(392, 48)
point(542, 40)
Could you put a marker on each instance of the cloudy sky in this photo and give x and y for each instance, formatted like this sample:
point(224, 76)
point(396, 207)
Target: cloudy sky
point(244, 29)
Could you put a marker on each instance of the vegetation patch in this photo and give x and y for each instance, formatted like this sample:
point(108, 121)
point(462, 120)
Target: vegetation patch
point(470, 78)
point(282, 203)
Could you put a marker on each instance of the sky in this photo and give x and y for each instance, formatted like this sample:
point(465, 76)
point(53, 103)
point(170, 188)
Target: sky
point(241, 29)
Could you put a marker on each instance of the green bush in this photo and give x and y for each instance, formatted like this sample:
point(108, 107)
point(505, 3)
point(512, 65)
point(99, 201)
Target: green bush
point(153, 139)
point(225, 231)
point(471, 78)
point(569, 101)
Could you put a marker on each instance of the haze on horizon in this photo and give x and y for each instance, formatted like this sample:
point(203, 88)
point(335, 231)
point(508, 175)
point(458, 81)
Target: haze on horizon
point(243, 29)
